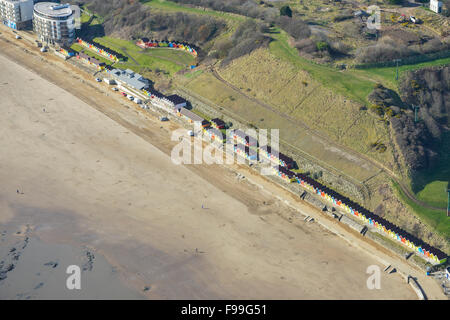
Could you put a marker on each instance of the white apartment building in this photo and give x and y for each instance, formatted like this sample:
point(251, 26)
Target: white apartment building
point(16, 14)
point(54, 23)
point(436, 6)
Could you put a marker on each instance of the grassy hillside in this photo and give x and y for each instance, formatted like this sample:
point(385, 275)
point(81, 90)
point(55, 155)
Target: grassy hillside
point(297, 94)
point(438, 220)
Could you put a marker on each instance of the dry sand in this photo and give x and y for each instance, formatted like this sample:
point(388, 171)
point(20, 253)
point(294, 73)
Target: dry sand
point(89, 181)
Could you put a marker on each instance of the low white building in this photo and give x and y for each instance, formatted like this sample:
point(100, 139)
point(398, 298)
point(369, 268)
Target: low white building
point(436, 6)
point(16, 14)
point(130, 78)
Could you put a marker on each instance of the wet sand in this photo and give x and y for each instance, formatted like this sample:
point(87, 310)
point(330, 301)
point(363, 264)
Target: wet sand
point(40, 271)
point(86, 181)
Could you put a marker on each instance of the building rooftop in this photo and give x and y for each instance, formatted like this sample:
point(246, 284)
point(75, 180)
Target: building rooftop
point(215, 132)
point(218, 122)
point(281, 156)
point(131, 78)
point(176, 99)
point(250, 140)
point(190, 115)
point(53, 9)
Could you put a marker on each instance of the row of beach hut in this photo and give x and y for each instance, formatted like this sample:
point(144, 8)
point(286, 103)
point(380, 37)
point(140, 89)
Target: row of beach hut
point(92, 61)
point(146, 43)
point(98, 50)
point(247, 147)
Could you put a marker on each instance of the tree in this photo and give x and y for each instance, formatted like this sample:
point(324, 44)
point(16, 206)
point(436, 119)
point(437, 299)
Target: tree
point(286, 11)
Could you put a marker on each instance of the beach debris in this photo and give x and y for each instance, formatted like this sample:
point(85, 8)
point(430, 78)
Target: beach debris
point(25, 242)
point(39, 286)
point(52, 264)
point(364, 230)
point(90, 261)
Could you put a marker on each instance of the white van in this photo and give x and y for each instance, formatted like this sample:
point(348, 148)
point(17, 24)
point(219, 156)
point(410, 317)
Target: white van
point(138, 101)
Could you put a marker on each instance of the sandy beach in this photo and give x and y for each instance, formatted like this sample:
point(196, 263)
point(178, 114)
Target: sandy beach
point(98, 177)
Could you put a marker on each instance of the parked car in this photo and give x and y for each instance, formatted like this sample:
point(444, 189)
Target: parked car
point(414, 20)
point(18, 37)
point(124, 94)
point(191, 133)
point(164, 119)
point(98, 79)
point(130, 97)
point(115, 89)
point(138, 101)
point(44, 49)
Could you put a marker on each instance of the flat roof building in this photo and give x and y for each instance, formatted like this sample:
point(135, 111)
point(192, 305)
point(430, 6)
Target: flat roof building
point(16, 14)
point(130, 78)
point(177, 101)
point(54, 23)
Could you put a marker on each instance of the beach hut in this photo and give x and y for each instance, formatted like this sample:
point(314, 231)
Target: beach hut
point(243, 138)
point(276, 157)
point(218, 123)
point(284, 174)
point(214, 134)
point(246, 152)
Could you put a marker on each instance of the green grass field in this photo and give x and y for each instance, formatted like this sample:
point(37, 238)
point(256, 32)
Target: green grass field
point(434, 193)
point(430, 184)
point(387, 75)
point(168, 60)
point(347, 84)
point(438, 220)
point(175, 7)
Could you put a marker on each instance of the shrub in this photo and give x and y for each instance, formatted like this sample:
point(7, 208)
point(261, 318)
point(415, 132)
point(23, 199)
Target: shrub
point(285, 11)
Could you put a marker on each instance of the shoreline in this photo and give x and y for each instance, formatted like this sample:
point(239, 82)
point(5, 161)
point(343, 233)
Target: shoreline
point(269, 187)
